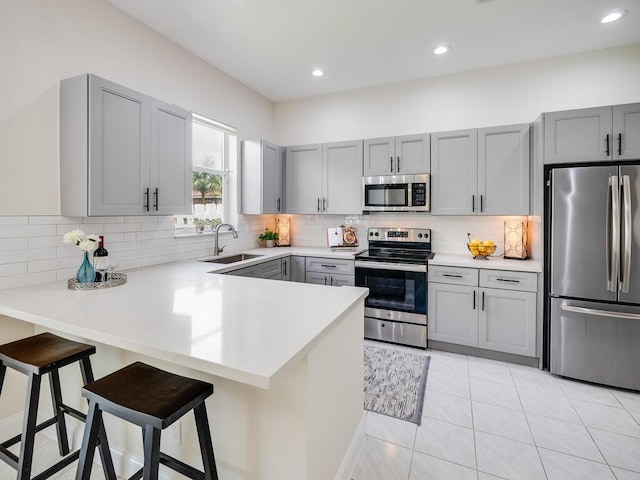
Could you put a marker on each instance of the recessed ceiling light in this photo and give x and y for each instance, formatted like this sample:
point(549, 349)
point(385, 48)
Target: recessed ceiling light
point(613, 16)
point(317, 73)
point(441, 49)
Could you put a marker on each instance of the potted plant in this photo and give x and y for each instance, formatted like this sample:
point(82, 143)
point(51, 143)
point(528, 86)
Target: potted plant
point(268, 237)
point(199, 223)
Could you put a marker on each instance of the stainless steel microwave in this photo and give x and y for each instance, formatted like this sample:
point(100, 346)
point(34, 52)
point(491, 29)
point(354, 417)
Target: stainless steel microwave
point(397, 193)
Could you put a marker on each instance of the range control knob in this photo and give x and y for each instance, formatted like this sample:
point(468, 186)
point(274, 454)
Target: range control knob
point(377, 234)
point(371, 234)
point(419, 235)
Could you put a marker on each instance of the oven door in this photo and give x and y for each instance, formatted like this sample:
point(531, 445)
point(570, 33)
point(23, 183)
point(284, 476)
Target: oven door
point(396, 291)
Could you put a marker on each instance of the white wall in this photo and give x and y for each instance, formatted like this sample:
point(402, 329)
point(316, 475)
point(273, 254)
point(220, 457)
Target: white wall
point(495, 96)
point(42, 42)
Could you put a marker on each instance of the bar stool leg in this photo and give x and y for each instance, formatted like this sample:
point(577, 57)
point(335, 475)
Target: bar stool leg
point(151, 453)
point(206, 445)
point(103, 443)
point(56, 401)
point(89, 442)
point(3, 369)
point(29, 427)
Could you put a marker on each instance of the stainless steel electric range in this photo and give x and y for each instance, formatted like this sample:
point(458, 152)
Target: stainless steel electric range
point(394, 269)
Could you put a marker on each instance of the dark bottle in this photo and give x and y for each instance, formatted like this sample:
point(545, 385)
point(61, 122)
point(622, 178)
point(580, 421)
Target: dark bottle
point(101, 261)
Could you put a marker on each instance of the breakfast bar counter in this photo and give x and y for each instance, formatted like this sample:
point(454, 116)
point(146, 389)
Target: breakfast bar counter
point(285, 359)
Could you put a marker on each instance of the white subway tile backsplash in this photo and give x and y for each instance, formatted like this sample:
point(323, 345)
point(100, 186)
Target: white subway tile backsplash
point(11, 269)
point(28, 279)
point(7, 244)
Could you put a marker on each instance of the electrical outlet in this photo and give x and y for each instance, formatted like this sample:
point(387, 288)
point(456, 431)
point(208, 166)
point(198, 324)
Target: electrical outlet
point(174, 433)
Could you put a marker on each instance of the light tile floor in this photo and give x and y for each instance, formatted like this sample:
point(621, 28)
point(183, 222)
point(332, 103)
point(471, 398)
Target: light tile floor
point(488, 420)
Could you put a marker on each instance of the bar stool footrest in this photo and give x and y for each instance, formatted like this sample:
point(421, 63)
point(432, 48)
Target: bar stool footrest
point(10, 458)
point(68, 460)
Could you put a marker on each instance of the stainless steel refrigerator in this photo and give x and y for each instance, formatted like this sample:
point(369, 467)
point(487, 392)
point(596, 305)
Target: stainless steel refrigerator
point(595, 274)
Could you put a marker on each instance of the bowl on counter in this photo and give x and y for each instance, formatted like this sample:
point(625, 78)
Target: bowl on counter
point(480, 250)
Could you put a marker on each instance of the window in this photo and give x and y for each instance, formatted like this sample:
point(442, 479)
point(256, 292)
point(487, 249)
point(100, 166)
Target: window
point(213, 145)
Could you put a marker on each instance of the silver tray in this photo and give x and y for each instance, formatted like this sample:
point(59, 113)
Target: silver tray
point(115, 280)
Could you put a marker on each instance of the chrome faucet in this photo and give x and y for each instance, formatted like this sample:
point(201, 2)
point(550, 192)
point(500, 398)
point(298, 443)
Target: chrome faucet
point(217, 250)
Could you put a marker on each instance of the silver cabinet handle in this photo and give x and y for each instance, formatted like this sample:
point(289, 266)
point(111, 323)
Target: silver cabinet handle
point(481, 203)
point(483, 301)
point(474, 299)
point(318, 204)
point(507, 280)
point(329, 266)
point(324, 204)
point(397, 164)
point(391, 164)
point(601, 313)
point(626, 225)
point(146, 199)
point(451, 275)
point(278, 203)
point(155, 194)
point(473, 203)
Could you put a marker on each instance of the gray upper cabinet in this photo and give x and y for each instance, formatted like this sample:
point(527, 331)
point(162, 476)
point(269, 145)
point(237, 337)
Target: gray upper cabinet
point(409, 154)
point(341, 177)
point(324, 178)
point(592, 134)
point(121, 152)
point(303, 179)
point(454, 172)
point(481, 172)
point(503, 170)
point(262, 177)
point(170, 171)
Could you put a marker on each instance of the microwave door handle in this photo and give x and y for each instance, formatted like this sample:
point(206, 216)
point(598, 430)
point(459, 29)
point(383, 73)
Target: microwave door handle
point(625, 272)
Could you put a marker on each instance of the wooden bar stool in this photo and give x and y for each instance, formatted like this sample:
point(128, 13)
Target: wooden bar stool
point(153, 399)
point(35, 356)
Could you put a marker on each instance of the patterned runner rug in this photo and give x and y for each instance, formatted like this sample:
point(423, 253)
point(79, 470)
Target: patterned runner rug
point(394, 382)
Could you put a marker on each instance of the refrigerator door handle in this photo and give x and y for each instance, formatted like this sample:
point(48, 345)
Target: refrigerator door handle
point(626, 224)
point(601, 313)
point(613, 234)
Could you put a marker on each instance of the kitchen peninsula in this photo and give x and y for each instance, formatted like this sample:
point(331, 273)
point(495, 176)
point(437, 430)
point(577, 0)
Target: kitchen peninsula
point(285, 359)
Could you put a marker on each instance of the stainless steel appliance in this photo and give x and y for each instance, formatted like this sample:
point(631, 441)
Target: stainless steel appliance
point(394, 269)
point(396, 193)
point(595, 274)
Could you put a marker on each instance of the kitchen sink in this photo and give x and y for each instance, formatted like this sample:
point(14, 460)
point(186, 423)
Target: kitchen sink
point(233, 258)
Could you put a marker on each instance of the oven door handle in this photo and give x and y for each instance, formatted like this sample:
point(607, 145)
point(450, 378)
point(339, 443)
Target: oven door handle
point(390, 266)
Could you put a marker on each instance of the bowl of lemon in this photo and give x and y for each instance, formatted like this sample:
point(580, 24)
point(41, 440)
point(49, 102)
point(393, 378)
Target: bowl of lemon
point(481, 249)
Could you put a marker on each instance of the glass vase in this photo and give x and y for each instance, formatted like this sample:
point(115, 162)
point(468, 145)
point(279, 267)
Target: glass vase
point(86, 273)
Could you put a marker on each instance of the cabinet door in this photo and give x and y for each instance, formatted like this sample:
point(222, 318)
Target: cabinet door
point(626, 131)
point(503, 170)
point(413, 154)
point(454, 169)
point(578, 135)
point(317, 278)
point(304, 179)
point(338, 280)
point(507, 321)
point(342, 178)
point(119, 143)
point(272, 178)
point(271, 269)
point(379, 156)
point(170, 179)
point(297, 269)
point(453, 314)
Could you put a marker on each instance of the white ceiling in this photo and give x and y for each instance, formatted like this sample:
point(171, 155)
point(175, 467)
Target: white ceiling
point(273, 45)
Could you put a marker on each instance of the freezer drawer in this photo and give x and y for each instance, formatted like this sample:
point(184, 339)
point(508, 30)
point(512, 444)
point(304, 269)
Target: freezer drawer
point(395, 332)
point(596, 342)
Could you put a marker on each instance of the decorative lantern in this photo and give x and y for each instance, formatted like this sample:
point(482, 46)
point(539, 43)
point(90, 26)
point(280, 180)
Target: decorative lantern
point(516, 239)
point(283, 229)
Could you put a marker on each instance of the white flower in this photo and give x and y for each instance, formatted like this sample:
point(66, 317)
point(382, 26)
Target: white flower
point(86, 243)
point(74, 236)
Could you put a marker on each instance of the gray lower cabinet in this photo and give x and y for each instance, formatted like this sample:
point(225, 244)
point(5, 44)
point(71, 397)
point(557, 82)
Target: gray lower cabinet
point(592, 134)
point(270, 270)
point(328, 271)
point(122, 152)
point(489, 309)
point(297, 269)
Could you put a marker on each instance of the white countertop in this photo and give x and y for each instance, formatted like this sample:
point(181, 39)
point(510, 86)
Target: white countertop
point(492, 263)
point(245, 329)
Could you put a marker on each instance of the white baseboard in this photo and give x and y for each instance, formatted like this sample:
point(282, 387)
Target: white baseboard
point(353, 452)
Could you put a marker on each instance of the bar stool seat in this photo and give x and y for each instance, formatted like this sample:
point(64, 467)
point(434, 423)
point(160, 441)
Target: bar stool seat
point(35, 356)
point(152, 399)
